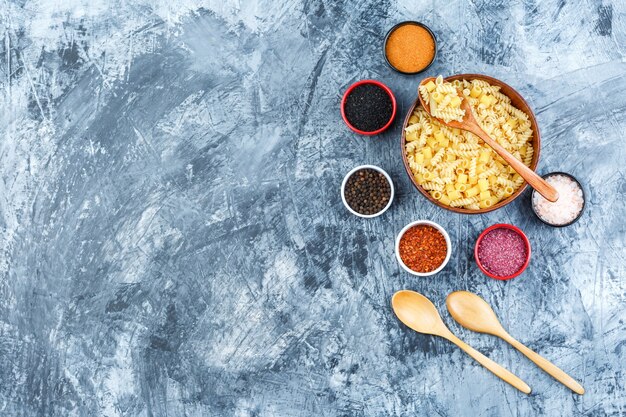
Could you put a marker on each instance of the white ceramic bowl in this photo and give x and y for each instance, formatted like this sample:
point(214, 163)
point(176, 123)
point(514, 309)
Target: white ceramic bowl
point(343, 189)
point(448, 247)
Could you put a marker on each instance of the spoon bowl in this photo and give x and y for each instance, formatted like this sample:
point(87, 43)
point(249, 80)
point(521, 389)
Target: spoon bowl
point(472, 312)
point(418, 313)
point(470, 124)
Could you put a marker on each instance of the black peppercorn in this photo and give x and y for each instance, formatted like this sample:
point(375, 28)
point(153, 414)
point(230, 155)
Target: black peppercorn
point(367, 191)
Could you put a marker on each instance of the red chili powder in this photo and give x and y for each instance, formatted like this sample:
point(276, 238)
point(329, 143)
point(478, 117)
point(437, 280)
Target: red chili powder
point(502, 252)
point(423, 248)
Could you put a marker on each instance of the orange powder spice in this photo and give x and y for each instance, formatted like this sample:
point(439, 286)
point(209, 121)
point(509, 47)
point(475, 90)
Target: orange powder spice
point(410, 48)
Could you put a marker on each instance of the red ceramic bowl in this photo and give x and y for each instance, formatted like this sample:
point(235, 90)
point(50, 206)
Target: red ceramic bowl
point(502, 226)
point(393, 107)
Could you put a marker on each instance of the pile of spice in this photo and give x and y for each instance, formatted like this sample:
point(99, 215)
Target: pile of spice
point(569, 205)
point(410, 48)
point(423, 248)
point(502, 252)
point(368, 107)
point(367, 191)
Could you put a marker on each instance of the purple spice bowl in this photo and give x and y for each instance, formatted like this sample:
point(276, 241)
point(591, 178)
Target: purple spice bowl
point(505, 256)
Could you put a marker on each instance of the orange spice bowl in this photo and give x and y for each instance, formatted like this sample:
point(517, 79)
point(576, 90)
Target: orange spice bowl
point(393, 29)
point(427, 223)
point(516, 100)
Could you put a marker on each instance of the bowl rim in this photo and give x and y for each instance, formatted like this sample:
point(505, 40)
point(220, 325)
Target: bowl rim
point(440, 229)
point(343, 189)
point(565, 174)
point(394, 106)
point(516, 230)
point(409, 22)
point(533, 165)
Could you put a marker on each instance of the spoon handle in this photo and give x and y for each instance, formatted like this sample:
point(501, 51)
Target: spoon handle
point(531, 177)
point(498, 370)
point(546, 365)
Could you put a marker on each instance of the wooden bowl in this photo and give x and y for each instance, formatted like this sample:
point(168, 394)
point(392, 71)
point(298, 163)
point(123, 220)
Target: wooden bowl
point(517, 101)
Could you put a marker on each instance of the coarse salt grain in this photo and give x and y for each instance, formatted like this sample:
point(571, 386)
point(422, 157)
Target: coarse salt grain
point(502, 252)
point(566, 208)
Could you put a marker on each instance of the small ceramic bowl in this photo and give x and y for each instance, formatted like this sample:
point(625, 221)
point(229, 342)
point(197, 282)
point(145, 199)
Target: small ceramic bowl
point(516, 230)
point(409, 22)
point(393, 106)
point(570, 176)
point(343, 190)
point(448, 247)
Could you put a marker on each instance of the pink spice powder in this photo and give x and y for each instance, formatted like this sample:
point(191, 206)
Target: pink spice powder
point(502, 252)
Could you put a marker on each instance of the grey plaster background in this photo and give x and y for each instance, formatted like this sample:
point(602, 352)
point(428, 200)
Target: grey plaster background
point(172, 238)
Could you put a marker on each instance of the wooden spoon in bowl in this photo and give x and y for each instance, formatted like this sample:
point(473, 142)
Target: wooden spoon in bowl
point(420, 314)
point(472, 312)
point(471, 125)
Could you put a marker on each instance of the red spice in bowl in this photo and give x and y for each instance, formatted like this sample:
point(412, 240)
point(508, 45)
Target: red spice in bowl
point(423, 248)
point(502, 251)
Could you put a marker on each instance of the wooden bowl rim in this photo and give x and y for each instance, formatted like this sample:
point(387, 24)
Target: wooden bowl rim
point(514, 96)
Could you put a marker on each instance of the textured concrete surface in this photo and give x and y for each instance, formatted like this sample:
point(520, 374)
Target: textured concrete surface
point(173, 242)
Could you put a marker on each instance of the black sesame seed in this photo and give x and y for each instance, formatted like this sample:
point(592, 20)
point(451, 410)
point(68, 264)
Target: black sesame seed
point(368, 107)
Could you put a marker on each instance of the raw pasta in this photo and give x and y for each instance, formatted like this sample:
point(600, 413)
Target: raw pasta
point(455, 166)
point(443, 100)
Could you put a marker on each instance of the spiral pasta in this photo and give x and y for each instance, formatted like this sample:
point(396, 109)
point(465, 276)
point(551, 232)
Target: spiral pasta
point(455, 166)
point(443, 100)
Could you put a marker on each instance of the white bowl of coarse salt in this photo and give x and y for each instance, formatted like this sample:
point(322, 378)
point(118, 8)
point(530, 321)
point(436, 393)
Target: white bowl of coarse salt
point(570, 205)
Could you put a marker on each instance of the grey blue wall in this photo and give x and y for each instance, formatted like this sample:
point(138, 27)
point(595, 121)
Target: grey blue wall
point(173, 243)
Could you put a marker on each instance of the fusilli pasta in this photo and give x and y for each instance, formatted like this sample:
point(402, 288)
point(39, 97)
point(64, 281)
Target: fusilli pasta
point(455, 166)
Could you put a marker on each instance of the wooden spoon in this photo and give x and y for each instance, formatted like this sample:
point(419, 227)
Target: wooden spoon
point(470, 124)
point(418, 313)
point(472, 312)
